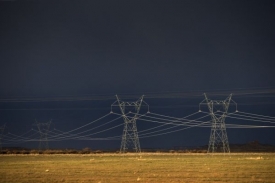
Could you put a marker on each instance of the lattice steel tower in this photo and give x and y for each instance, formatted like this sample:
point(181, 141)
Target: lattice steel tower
point(43, 129)
point(130, 134)
point(2, 128)
point(218, 109)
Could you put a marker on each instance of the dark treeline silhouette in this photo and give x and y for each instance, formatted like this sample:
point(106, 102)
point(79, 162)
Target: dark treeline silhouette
point(253, 146)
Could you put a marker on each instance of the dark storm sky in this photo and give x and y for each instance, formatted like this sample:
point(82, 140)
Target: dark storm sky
point(56, 49)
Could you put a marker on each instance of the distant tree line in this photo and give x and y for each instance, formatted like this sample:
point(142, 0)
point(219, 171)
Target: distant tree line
point(253, 146)
point(49, 151)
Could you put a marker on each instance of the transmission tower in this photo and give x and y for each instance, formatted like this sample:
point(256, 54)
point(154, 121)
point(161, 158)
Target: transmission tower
point(43, 129)
point(218, 109)
point(2, 128)
point(130, 133)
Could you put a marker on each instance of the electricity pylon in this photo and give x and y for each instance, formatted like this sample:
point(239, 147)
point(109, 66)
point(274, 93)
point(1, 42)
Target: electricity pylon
point(218, 110)
point(130, 134)
point(43, 129)
point(2, 128)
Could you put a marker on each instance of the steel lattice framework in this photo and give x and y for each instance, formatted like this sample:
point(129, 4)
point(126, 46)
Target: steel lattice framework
point(43, 129)
point(2, 128)
point(130, 134)
point(218, 110)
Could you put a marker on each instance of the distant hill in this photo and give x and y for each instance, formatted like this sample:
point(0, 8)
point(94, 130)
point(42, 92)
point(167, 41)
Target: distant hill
point(253, 146)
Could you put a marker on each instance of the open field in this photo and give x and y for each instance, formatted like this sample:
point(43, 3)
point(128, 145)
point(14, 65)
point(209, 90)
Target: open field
point(157, 167)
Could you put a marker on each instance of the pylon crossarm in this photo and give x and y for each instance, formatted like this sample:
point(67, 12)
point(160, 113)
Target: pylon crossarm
point(218, 136)
point(2, 128)
point(130, 134)
point(43, 129)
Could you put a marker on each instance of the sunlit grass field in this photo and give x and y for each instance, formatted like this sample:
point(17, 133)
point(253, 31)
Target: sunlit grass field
point(144, 167)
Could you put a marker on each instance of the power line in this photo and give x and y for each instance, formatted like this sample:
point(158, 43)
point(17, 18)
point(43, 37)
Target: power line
point(130, 134)
point(73, 136)
point(2, 128)
point(218, 137)
point(164, 94)
point(218, 111)
point(43, 129)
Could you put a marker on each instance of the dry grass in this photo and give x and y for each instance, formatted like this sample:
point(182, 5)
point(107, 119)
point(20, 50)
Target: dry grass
point(157, 167)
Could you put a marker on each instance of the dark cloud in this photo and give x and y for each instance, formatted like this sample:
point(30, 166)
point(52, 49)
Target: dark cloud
point(56, 49)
